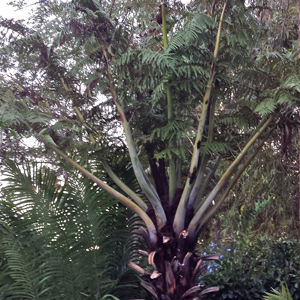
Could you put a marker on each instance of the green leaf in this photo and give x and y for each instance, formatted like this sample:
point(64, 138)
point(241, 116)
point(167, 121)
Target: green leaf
point(276, 295)
point(49, 140)
point(265, 107)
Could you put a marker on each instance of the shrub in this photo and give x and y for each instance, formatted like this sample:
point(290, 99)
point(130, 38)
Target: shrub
point(247, 269)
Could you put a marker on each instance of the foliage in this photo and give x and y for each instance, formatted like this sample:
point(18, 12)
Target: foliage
point(249, 268)
point(284, 294)
point(262, 181)
point(63, 241)
point(250, 263)
point(263, 178)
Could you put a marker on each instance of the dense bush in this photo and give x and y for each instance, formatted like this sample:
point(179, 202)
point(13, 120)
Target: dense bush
point(247, 270)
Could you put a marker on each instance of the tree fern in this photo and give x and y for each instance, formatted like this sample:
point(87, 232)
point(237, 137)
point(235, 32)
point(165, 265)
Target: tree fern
point(188, 90)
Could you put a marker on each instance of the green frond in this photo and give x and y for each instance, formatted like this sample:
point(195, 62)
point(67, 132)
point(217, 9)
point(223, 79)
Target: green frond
point(242, 33)
point(63, 242)
point(169, 152)
point(190, 70)
point(266, 106)
point(14, 111)
point(214, 147)
point(174, 129)
point(28, 281)
point(292, 82)
point(277, 56)
point(240, 122)
point(194, 30)
point(159, 91)
point(284, 96)
point(241, 37)
point(250, 74)
point(156, 59)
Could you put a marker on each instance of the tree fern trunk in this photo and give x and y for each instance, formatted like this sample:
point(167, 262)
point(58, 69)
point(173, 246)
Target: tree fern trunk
point(177, 265)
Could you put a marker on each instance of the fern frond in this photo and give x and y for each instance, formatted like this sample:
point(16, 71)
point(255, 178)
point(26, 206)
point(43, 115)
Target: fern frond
point(214, 148)
point(284, 96)
point(292, 82)
point(194, 30)
point(175, 128)
point(265, 107)
point(62, 242)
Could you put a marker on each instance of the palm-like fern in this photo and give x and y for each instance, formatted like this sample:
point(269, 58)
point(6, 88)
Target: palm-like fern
point(58, 242)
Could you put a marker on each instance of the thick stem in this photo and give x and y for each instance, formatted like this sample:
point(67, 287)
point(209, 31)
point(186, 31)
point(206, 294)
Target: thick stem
point(229, 187)
point(172, 164)
point(210, 135)
point(110, 172)
point(178, 172)
point(126, 201)
point(141, 177)
point(198, 181)
point(158, 172)
point(172, 177)
point(179, 219)
point(205, 184)
point(224, 179)
point(124, 187)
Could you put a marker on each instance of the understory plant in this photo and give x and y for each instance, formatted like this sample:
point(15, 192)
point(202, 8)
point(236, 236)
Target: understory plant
point(249, 268)
point(250, 265)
